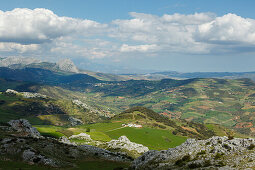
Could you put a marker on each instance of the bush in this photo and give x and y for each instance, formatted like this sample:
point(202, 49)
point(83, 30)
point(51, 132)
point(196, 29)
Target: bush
point(88, 129)
point(207, 163)
point(226, 146)
point(194, 165)
point(251, 147)
point(183, 161)
point(202, 152)
point(218, 155)
point(221, 164)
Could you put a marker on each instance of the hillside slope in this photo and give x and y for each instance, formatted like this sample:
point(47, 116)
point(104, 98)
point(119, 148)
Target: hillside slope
point(40, 109)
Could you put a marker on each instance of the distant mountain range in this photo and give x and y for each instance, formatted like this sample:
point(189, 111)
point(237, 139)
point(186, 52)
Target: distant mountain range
point(68, 66)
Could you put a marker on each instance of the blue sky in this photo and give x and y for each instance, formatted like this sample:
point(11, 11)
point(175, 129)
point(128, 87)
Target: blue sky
point(181, 35)
point(107, 10)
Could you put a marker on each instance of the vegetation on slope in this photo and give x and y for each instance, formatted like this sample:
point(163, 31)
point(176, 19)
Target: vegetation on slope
point(42, 110)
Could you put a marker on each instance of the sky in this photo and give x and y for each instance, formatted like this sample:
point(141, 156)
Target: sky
point(158, 35)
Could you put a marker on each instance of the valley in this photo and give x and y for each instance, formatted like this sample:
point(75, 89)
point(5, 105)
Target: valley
point(127, 117)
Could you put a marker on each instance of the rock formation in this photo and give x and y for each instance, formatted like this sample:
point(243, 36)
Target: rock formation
point(82, 136)
point(67, 65)
point(24, 128)
point(213, 153)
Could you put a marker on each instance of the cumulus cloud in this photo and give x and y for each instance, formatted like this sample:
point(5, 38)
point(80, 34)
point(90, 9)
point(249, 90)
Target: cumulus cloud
point(26, 26)
point(199, 33)
point(170, 33)
point(228, 29)
point(10, 47)
point(138, 48)
point(40, 32)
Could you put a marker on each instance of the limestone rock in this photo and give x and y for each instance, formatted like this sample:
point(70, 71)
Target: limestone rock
point(10, 91)
point(75, 121)
point(25, 128)
point(124, 143)
point(31, 157)
point(67, 65)
point(211, 153)
point(82, 136)
point(102, 153)
point(65, 140)
point(33, 95)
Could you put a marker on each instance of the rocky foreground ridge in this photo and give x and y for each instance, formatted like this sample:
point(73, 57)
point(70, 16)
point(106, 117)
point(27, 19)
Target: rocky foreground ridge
point(213, 153)
point(19, 140)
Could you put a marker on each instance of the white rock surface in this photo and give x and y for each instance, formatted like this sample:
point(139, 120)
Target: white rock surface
point(10, 91)
point(23, 126)
point(220, 152)
point(82, 136)
point(65, 140)
point(33, 95)
point(31, 157)
point(74, 121)
point(26, 94)
point(67, 65)
point(124, 143)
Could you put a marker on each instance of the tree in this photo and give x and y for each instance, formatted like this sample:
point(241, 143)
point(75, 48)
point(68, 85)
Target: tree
point(88, 129)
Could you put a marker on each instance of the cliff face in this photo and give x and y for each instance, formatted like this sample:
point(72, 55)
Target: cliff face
point(67, 65)
point(213, 153)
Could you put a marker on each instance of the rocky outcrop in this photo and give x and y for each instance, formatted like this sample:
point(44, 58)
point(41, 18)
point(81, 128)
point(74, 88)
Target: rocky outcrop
point(33, 95)
point(82, 136)
point(74, 121)
point(26, 94)
point(24, 128)
point(67, 65)
point(105, 154)
point(65, 140)
point(125, 146)
point(50, 152)
point(10, 91)
point(213, 153)
point(32, 157)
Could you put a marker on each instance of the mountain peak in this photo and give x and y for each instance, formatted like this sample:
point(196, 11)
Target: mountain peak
point(67, 65)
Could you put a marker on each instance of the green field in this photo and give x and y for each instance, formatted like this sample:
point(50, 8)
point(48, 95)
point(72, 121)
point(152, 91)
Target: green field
point(155, 139)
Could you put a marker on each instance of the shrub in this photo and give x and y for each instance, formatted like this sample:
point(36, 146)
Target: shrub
point(207, 143)
point(207, 163)
point(174, 132)
point(194, 165)
point(202, 152)
point(88, 129)
point(221, 163)
point(226, 146)
point(218, 155)
point(252, 146)
point(183, 161)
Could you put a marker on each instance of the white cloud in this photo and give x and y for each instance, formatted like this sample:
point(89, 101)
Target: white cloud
point(170, 33)
point(40, 32)
point(26, 26)
point(228, 29)
point(138, 48)
point(9, 47)
point(195, 19)
point(199, 33)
